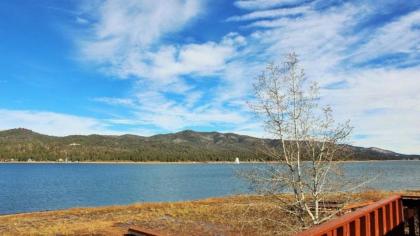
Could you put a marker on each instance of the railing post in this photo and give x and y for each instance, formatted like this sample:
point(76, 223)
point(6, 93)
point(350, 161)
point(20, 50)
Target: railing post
point(357, 227)
point(393, 211)
point(383, 220)
point(388, 222)
point(385, 213)
point(401, 210)
point(346, 229)
point(374, 226)
point(378, 222)
point(367, 225)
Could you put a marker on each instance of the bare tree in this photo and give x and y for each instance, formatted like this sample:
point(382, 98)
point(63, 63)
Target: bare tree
point(308, 143)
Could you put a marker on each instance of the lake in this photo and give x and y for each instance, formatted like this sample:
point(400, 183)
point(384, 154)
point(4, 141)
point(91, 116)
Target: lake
point(28, 187)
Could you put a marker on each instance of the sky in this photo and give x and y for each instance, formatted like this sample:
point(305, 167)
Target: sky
point(149, 67)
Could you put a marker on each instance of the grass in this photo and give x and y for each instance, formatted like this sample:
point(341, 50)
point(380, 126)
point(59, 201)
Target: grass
point(235, 215)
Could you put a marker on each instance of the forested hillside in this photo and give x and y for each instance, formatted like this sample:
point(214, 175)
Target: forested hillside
point(23, 144)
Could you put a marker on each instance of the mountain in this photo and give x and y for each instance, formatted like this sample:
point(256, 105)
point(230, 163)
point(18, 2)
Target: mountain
point(22, 144)
point(383, 151)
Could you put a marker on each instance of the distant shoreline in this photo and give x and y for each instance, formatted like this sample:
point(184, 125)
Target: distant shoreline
point(172, 162)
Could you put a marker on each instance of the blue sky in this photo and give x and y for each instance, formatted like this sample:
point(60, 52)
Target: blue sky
point(147, 67)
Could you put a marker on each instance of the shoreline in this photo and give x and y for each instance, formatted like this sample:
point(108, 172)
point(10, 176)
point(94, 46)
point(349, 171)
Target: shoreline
point(178, 162)
point(139, 203)
point(381, 192)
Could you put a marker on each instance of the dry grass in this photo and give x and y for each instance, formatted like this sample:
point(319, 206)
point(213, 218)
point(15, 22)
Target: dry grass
point(236, 215)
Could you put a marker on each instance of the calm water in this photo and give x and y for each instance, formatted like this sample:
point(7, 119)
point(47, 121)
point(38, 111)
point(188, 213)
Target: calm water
point(38, 187)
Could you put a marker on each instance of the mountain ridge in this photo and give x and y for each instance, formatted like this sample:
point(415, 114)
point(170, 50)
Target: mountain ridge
point(188, 145)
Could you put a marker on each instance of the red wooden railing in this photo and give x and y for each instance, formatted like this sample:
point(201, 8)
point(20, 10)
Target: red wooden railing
point(385, 217)
point(137, 231)
point(376, 219)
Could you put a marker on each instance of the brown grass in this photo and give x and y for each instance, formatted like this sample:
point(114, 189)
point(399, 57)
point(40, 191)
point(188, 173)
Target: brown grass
point(235, 215)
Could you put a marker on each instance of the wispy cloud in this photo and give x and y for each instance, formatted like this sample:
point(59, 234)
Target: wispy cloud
point(400, 36)
point(115, 101)
point(52, 123)
point(124, 34)
point(81, 20)
point(274, 13)
point(265, 4)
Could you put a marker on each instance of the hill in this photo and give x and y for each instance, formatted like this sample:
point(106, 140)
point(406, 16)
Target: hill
point(22, 144)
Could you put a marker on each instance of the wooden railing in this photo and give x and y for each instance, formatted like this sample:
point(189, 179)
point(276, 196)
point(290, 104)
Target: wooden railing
point(385, 217)
point(137, 231)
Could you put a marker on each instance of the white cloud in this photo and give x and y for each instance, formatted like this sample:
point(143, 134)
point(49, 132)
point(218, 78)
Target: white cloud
point(155, 109)
point(274, 13)
point(382, 104)
point(142, 22)
point(126, 41)
point(205, 57)
point(52, 123)
point(125, 30)
point(81, 20)
point(399, 36)
point(170, 61)
point(115, 101)
point(264, 4)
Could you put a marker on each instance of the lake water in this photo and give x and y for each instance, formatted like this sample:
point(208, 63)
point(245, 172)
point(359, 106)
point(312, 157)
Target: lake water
point(38, 187)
